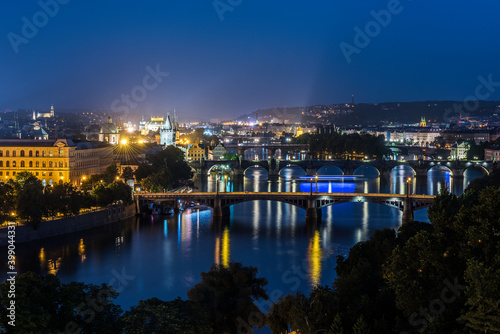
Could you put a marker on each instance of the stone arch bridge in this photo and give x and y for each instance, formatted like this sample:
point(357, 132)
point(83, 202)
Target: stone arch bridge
point(384, 167)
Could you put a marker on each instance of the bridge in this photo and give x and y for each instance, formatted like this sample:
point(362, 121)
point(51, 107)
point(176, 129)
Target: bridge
point(348, 167)
point(312, 202)
point(272, 148)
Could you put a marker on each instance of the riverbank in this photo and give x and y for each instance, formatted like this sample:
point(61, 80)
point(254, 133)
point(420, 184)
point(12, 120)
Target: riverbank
point(52, 228)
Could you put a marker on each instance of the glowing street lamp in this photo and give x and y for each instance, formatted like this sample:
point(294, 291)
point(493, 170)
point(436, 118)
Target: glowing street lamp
point(316, 177)
point(408, 183)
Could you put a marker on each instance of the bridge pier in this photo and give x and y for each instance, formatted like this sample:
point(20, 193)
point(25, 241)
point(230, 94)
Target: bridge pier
point(408, 215)
point(312, 212)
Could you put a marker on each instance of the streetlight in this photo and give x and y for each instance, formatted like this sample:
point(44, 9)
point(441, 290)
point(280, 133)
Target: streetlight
point(311, 186)
point(408, 183)
point(316, 177)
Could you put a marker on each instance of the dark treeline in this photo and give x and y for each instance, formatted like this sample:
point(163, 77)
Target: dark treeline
point(442, 277)
point(352, 146)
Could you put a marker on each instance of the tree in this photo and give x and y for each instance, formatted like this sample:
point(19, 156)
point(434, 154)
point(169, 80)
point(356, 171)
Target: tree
point(158, 182)
point(227, 296)
point(143, 171)
point(110, 174)
point(103, 195)
point(121, 192)
point(280, 316)
point(336, 326)
point(45, 305)
point(127, 174)
point(30, 201)
point(7, 200)
point(360, 327)
point(157, 316)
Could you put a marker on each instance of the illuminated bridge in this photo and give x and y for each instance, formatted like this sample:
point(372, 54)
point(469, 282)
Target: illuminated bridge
point(312, 202)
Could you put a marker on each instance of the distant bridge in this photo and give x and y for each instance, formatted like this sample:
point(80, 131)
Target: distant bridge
point(348, 167)
point(271, 148)
point(312, 202)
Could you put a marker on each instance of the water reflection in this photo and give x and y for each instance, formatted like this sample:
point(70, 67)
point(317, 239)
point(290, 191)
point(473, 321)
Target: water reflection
point(314, 259)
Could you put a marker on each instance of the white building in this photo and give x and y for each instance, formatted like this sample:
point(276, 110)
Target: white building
point(459, 150)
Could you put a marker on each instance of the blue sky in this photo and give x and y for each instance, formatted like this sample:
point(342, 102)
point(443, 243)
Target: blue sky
point(260, 55)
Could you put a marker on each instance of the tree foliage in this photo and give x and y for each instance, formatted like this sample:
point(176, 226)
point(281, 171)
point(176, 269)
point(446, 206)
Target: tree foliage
point(156, 316)
point(227, 296)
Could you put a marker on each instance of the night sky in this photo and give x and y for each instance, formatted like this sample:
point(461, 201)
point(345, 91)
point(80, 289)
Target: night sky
point(243, 55)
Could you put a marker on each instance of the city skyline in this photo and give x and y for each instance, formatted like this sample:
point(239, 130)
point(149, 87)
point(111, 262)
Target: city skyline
point(224, 58)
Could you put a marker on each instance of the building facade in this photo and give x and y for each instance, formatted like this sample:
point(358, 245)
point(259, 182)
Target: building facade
point(492, 153)
point(196, 151)
point(109, 132)
point(53, 161)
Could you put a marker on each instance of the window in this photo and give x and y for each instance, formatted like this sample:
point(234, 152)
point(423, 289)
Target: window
point(7, 173)
point(7, 153)
point(60, 164)
point(50, 173)
point(13, 164)
point(1, 153)
point(37, 154)
point(44, 164)
point(22, 153)
point(13, 173)
point(13, 153)
point(7, 164)
point(31, 153)
point(61, 152)
point(60, 174)
point(22, 164)
point(37, 164)
point(65, 165)
point(36, 173)
point(43, 153)
point(1, 163)
point(50, 164)
point(44, 183)
point(51, 154)
point(50, 182)
point(31, 164)
point(1, 173)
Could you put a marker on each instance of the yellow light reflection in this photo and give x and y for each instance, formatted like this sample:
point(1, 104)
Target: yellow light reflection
point(81, 250)
point(217, 250)
point(42, 257)
point(226, 252)
point(315, 254)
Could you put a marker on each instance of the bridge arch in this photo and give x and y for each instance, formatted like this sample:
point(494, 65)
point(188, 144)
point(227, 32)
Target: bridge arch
point(441, 168)
point(401, 167)
point(367, 170)
point(292, 168)
point(477, 167)
point(330, 170)
point(261, 169)
point(224, 168)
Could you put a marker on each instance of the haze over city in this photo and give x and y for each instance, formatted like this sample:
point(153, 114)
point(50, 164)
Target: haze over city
point(229, 58)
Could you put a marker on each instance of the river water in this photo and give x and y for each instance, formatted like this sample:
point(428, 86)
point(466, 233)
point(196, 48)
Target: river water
point(163, 256)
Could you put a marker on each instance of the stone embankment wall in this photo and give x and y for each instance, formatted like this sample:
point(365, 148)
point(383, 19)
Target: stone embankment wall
point(62, 226)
